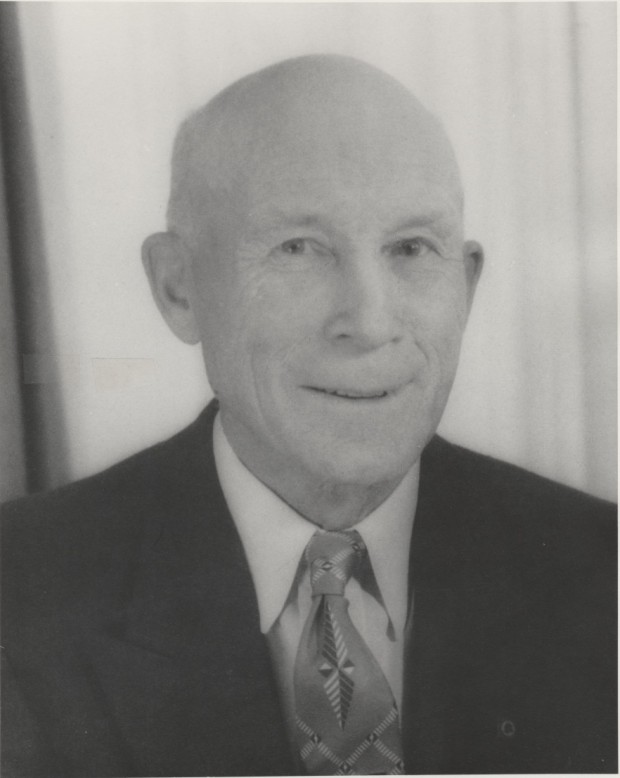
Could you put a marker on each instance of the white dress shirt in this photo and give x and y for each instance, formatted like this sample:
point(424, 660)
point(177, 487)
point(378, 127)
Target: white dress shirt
point(274, 537)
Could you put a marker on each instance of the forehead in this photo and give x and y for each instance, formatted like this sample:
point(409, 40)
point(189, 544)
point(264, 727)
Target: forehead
point(351, 146)
point(331, 202)
point(332, 161)
point(381, 187)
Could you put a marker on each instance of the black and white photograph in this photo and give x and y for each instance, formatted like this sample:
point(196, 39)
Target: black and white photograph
point(308, 388)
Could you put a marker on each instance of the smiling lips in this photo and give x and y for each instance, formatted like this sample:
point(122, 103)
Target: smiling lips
point(355, 394)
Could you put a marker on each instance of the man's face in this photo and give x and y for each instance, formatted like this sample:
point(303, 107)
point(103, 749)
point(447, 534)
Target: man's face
point(331, 292)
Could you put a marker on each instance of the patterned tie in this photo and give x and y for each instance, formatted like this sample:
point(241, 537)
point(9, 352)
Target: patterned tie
point(347, 720)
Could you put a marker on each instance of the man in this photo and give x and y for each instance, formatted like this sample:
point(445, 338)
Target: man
point(184, 612)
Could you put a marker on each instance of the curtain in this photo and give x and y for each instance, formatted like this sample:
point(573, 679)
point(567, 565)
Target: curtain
point(527, 92)
point(32, 450)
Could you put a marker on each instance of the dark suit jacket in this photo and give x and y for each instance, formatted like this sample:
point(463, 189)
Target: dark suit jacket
point(132, 643)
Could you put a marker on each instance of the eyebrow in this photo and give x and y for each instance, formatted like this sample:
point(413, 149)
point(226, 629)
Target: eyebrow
point(442, 221)
point(423, 220)
point(278, 216)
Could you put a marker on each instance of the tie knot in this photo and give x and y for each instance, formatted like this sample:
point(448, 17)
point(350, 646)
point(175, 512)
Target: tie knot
point(332, 557)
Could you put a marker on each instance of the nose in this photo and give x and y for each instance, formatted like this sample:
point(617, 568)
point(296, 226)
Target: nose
point(365, 313)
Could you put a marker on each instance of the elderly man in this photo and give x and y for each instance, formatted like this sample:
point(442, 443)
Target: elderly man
point(255, 596)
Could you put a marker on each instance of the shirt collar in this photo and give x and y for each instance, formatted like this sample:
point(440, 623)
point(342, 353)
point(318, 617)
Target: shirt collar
point(274, 536)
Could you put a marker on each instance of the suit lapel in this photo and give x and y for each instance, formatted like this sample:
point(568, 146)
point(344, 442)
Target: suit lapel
point(426, 697)
point(184, 668)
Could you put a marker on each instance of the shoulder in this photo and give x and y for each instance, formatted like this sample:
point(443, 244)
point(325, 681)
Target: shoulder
point(90, 530)
point(542, 554)
point(514, 517)
point(484, 483)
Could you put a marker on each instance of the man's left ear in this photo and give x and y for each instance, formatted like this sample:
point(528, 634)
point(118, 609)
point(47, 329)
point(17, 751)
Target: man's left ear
point(473, 255)
point(167, 263)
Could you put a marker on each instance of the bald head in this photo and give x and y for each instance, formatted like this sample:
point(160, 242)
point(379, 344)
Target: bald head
point(314, 112)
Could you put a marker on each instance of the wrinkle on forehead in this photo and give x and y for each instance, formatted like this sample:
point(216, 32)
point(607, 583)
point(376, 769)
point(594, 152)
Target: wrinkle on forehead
point(323, 116)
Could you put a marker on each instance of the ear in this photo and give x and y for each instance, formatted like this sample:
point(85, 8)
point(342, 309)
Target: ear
point(167, 263)
point(473, 255)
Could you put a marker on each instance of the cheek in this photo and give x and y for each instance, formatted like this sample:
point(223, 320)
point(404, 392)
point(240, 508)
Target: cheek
point(250, 330)
point(438, 314)
point(447, 316)
point(284, 312)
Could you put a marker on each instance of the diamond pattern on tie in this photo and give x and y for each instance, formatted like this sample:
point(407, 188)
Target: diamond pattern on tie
point(347, 720)
point(350, 766)
point(338, 668)
point(330, 575)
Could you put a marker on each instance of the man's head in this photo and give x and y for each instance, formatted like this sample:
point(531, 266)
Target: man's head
point(315, 249)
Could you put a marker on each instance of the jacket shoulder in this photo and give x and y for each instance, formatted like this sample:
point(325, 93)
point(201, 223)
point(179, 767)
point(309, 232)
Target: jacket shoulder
point(513, 510)
point(75, 537)
point(488, 480)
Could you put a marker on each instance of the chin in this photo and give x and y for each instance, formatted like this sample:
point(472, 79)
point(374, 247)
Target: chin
point(366, 465)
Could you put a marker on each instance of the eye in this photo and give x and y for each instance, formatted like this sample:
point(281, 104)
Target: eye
point(294, 246)
point(305, 248)
point(410, 248)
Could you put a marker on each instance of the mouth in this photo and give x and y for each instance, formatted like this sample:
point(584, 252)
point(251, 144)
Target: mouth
point(353, 394)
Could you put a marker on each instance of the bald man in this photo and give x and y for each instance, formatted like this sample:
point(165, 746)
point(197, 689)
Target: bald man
point(308, 580)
